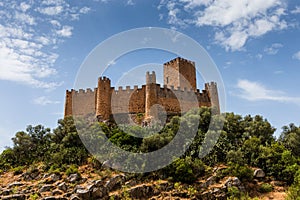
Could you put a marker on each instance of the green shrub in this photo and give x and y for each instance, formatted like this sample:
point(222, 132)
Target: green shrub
point(294, 189)
point(18, 170)
point(34, 196)
point(73, 169)
point(55, 169)
point(265, 188)
point(185, 170)
point(1, 171)
point(233, 192)
point(244, 173)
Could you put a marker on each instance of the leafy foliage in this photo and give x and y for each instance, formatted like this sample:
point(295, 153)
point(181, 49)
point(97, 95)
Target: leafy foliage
point(243, 142)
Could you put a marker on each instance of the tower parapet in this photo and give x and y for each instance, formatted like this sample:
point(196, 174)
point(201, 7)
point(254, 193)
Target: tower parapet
point(212, 90)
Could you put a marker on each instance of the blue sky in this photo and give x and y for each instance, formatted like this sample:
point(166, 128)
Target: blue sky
point(254, 43)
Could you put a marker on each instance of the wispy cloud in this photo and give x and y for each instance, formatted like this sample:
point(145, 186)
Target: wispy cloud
point(297, 55)
point(29, 33)
point(43, 101)
point(66, 31)
point(255, 91)
point(273, 49)
point(296, 10)
point(235, 21)
point(130, 3)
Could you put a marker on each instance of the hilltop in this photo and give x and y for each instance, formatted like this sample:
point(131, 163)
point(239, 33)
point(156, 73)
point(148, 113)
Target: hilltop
point(246, 162)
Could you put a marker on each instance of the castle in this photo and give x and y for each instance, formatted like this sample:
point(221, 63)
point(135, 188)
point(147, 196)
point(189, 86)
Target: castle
point(176, 96)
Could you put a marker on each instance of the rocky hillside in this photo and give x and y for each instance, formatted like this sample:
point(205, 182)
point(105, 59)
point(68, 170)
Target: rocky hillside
point(91, 183)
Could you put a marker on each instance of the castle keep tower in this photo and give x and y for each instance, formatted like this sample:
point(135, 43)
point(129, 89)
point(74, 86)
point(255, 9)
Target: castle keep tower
point(181, 73)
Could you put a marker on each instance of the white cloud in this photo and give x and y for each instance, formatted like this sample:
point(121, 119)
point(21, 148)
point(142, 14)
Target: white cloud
point(43, 40)
point(259, 56)
point(26, 40)
point(55, 23)
point(52, 10)
point(279, 72)
point(85, 10)
point(24, 18)
point(173, 13)
point(296, 10)
point(235, 21)
point(273, 49)
point(297, 55)
point(43, 101)
point(130, 3)
point(255, 91)
point(24, 6)
point(66, 31)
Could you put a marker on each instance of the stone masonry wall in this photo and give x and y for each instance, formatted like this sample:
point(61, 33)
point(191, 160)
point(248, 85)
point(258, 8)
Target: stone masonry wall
point(81, 102)
point(132, 101)
point(180, 72)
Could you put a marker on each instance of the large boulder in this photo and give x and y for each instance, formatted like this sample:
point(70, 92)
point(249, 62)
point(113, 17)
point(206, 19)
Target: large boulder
point(114, 181)
point(63, 186)
point(210, 181)
point(83, 193)
point(141, 192)
point(15, 184)
point(32, 175)
point(74, 178)
point(99, 193)
point(14, 197)
point(259, 173)
point(233, 181)
point(46, 188)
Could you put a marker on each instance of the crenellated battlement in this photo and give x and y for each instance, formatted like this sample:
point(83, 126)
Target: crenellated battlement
point(179, 84)
point(179, 59)
point(103, 78)
point(82, 91)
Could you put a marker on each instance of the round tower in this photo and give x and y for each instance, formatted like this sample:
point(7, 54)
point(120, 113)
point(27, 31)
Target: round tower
point(103, 101)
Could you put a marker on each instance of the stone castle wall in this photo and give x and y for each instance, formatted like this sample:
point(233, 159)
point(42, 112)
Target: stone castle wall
point(133, 100)
point(80, 102)
point(178, 95)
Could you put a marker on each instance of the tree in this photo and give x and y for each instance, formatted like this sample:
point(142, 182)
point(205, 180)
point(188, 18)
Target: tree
point(290, 137)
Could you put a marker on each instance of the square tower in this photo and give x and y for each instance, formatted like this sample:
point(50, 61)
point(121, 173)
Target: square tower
point(181, 73)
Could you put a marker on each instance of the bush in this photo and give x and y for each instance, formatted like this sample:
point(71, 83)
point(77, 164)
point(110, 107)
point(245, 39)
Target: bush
point(294, 190)
point(54, 168)
point(185, 169)
point(244, 173)
point(72, 170)
point(265, 188)
point(18, 170)
point(233, 192)
point(34, 196)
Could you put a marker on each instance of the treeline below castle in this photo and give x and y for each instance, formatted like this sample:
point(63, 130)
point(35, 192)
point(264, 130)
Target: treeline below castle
point(245, 143)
